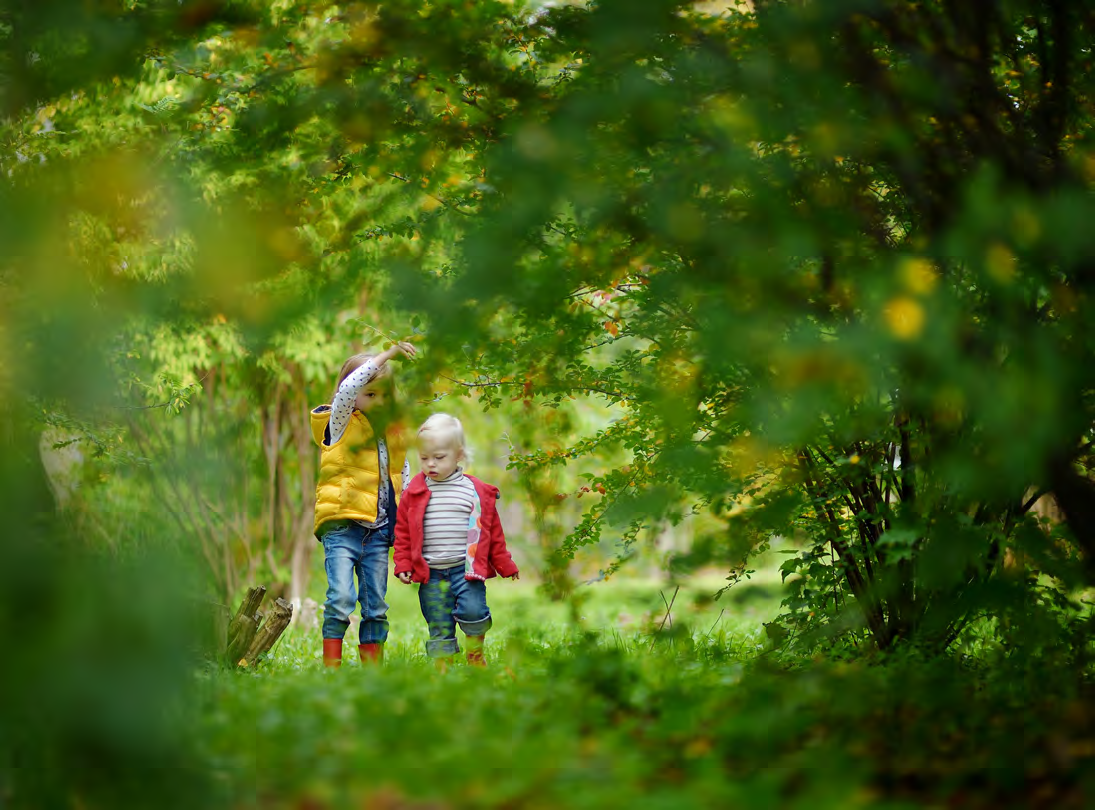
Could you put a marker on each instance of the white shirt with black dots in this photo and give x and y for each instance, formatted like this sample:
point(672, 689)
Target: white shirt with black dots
point(342, 409)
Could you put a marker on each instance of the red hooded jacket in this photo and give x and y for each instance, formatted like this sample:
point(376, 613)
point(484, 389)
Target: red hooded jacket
point(491, 555)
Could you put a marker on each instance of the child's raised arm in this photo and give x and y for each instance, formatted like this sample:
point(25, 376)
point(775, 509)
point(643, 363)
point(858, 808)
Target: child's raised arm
point(342, 406)
point(404, 348)
point(367, 371)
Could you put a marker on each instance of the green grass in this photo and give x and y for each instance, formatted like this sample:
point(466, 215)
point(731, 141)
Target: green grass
point(596, 704)
point(623, 612)
point(556, 720)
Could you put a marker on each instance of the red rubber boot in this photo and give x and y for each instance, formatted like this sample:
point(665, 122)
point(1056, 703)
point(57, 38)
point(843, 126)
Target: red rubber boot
point(475, 651)
point(371, 653)
point(332, 652)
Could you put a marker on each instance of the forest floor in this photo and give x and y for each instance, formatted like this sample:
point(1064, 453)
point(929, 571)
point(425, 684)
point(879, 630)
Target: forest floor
point(604, 702)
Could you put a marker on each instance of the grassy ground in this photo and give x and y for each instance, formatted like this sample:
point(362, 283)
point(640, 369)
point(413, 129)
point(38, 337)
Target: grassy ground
point(598, 704)
point(550, 723)
point(618, 611)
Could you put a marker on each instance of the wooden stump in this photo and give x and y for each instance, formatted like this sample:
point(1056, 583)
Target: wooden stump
point(277, 620)
point(252, 633)
point(244, 625)
point(238, 645)
point(248, 609)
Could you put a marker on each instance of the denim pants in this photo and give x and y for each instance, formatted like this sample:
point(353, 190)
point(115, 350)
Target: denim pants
point(350, 549)
point(447, 600)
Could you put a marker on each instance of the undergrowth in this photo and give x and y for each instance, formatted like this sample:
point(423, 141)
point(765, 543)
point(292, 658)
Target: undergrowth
point(610, 702)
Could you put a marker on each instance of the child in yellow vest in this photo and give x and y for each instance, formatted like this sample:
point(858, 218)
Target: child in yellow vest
point(362, 473)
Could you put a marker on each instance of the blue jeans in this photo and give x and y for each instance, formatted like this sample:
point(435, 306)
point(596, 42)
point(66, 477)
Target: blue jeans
point(447, 600)
point(350, 549)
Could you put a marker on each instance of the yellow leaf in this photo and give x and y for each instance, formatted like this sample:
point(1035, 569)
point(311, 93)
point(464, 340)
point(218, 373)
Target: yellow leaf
point(918, 275)
point(1000, 262)
point(905, 317)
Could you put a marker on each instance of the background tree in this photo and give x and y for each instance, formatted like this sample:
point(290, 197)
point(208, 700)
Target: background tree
point(854, 260)
point(824, 260)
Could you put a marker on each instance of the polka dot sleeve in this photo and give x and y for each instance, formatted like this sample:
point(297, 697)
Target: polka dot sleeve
point(342, 408)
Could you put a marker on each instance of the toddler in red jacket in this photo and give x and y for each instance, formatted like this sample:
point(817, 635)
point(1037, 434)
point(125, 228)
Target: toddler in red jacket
point(448, 538)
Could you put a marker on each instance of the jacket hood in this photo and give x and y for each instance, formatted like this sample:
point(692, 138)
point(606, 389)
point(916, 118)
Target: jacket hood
point(319, 419)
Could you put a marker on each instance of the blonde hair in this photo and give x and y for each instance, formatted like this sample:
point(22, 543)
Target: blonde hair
point(447, 426)
point(356, 362)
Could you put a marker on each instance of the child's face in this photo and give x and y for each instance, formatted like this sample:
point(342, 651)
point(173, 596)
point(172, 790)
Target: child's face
point(438, 455)
point(373, 397)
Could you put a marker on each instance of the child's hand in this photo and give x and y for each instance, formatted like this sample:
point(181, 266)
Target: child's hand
point(515, 577)
point(404, 577)
point(408, 350)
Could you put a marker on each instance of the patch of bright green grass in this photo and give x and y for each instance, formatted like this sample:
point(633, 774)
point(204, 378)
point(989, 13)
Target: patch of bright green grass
point(629, 613)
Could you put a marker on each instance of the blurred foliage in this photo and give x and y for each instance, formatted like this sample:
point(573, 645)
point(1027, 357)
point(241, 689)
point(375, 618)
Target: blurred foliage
point(99, 652)
point(827, 258)
point(600, 715)
point(827, 265)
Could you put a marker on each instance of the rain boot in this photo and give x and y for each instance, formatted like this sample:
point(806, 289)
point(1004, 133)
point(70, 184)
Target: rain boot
point(332, 652)
point(442, 664)
point(371, 653)
point(475, 651)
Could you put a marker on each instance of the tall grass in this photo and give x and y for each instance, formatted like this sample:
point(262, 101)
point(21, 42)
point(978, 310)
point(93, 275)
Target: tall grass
point(561, 717)
point(607, 702)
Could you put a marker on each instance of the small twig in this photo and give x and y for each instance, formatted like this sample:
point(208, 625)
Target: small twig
point(442, 200)
point(599, 345)
point(500, 383)
point(384, 335)
point(719, 619)
point(158, 404)
point(142, 407)
point(490, 384)
point(668, 616)
point(668, 608)
point(1026, 507)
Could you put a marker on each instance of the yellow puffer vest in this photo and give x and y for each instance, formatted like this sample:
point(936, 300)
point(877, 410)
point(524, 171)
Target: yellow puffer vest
point(349, 470)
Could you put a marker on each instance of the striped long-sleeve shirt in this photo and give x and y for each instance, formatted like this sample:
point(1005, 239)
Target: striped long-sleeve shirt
point(445, 525)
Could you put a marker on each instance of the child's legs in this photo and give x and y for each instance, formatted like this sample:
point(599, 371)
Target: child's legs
point(471, 611)
point(341, 546)
point(437, 602)
point(372, 578)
